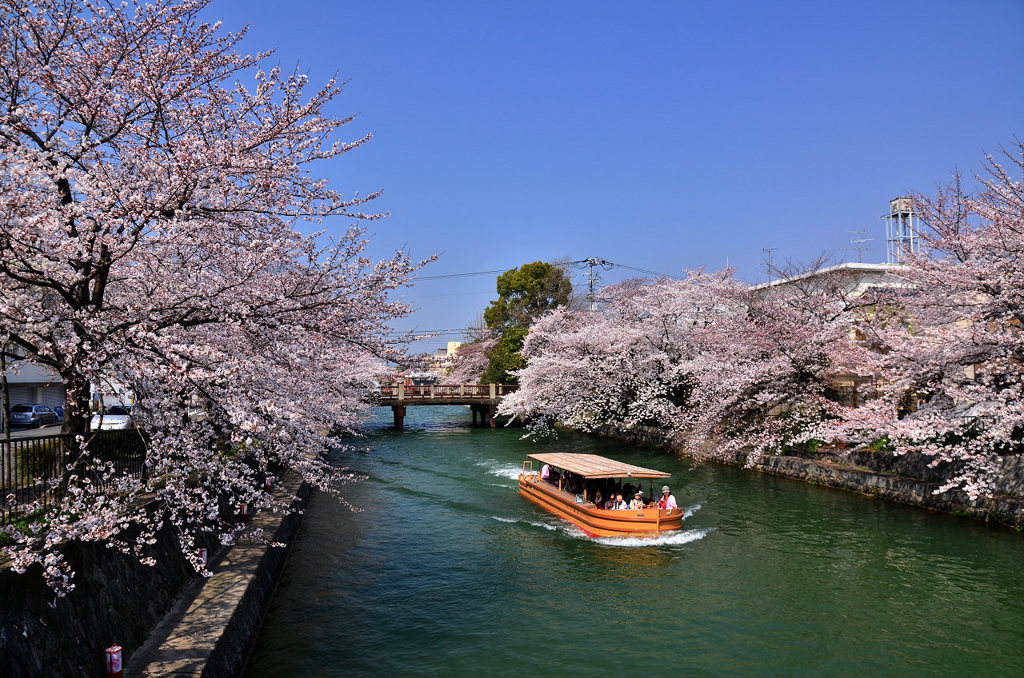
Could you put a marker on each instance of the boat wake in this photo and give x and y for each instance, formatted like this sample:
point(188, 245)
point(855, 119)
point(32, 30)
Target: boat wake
point(677, 538)
point(690, 511)
point(502, 470)
point(517, 521)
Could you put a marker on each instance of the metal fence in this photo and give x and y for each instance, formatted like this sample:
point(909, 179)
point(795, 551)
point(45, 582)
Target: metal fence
point(31, 469)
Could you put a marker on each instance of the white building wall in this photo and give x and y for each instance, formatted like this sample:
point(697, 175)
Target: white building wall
point(28, 384)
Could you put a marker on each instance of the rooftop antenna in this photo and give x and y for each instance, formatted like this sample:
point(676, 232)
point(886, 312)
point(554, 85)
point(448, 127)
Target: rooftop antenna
point(902, 225)
point(858, 245)
point(768, 251)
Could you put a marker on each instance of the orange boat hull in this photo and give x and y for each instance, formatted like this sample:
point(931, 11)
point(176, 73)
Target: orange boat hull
point(597, 522)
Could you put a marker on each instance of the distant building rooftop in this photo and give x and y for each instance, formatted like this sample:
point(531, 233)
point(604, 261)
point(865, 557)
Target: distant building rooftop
point(861, 276)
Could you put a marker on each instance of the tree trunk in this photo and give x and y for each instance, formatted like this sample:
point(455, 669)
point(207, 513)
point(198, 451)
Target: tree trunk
point(76, 422)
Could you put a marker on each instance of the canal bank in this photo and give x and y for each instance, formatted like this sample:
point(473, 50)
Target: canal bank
point(211, 628)
point(446, 570)
point(910, 478)
point(166, 618)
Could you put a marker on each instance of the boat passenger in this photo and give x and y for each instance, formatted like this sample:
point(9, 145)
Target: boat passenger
point(598, 499)
point(545, 472)
point(668, 500)
point(620, 503)
point(638, 501)
point(610, 504)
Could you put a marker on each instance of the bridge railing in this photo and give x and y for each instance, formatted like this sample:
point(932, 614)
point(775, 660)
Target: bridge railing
point(482, 392)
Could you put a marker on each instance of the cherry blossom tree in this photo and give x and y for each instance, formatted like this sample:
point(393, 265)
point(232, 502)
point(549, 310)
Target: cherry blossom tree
point(726, 370)
point(471, 361)
point(722, 369)
point(951, 352)
point(148, 210)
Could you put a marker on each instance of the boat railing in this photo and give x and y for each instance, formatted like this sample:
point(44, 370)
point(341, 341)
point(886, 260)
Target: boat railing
point(528, 471)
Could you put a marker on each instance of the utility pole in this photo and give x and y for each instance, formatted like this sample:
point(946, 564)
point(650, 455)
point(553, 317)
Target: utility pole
point(593, 277)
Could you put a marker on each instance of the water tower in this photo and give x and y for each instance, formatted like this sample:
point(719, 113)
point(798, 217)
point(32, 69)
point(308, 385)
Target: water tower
point(901, 226)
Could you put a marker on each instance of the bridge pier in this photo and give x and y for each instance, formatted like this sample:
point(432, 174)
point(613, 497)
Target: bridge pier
point(399, 415)
point(483, 399)
point(487, 413)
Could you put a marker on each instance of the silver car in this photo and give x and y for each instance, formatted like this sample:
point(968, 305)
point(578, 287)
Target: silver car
point(33, 415)
point(114, 418)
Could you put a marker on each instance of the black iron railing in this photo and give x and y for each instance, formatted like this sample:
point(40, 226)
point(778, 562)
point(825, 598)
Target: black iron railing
point(32, 469)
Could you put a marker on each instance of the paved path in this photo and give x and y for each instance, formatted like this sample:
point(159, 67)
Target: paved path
point(212, 627)
point(30, 432)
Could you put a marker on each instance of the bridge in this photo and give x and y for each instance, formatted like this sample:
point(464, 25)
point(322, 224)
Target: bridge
point(482, 399)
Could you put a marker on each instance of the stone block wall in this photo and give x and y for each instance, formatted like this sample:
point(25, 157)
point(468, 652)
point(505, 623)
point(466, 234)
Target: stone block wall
point(906, 478)
point(116, 601)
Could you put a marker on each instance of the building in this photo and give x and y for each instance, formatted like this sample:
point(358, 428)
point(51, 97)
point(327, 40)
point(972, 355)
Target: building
point(28, 383)
point(854, 279)
point(444, 359)
point(851, 280)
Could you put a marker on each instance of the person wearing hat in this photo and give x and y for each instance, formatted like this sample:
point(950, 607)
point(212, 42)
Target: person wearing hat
point(667, 501)
point(637, 502)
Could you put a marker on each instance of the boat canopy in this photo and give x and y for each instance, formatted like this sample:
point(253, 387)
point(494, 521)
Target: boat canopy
point(595, 466)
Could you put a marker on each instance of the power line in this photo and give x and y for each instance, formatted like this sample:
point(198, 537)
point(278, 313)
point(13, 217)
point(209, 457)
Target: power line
point(459, 275)
point(592, 278)
point(596, 261)
point(454, 330)
point(644, 270)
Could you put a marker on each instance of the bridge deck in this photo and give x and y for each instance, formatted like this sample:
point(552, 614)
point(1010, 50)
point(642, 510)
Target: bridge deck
point(446, 394)
point(483, 399)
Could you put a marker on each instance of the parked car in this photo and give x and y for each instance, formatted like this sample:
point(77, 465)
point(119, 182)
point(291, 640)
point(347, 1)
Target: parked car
point(32, 415)
point(114, 418)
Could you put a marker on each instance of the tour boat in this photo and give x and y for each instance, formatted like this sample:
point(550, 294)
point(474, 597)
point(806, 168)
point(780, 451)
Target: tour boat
point(592, 471)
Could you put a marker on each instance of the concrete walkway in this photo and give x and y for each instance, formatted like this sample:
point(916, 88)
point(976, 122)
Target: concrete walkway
point(211, 628)
point(17, 432)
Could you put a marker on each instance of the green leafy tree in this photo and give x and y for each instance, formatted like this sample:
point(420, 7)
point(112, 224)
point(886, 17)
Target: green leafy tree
point(524, 294)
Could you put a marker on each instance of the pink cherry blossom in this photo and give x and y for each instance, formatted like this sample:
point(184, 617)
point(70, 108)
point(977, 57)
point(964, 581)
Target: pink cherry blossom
point(152, 182)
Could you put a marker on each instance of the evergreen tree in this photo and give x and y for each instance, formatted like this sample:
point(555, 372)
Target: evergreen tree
point(524, 294)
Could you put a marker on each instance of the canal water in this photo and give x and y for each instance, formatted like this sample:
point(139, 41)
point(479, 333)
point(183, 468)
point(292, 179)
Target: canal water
point(446, 571)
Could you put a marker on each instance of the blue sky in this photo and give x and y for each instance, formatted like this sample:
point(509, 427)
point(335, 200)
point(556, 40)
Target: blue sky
point(659, 135)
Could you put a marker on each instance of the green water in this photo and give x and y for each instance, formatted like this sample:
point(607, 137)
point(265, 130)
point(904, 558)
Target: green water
point(446, 571)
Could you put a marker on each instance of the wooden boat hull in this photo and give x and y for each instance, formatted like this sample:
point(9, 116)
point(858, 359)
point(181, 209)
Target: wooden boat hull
point(597, 522)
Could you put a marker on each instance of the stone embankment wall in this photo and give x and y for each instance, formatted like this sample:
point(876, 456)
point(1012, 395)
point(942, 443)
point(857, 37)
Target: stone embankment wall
point(906, 478)
point(167, 619)
point(116, 601)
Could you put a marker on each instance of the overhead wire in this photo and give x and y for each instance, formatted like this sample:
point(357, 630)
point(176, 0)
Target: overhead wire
point(644, 270)
point(462, 330)
point(469, 274)
point(460, 275)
